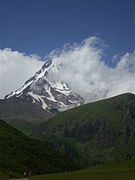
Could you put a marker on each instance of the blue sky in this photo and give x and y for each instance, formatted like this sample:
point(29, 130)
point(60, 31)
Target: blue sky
point(39, 26)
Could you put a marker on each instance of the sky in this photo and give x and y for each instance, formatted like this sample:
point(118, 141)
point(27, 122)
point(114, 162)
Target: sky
point(39, 26)
point(31, 29)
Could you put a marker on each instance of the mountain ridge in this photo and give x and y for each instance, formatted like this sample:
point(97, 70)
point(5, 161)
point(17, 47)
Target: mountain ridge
point(19, 154)
point(95, 132)
point(49, 94)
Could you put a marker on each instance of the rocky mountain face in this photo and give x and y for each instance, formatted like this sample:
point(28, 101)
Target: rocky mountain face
point(22, 114)
point(46, 92)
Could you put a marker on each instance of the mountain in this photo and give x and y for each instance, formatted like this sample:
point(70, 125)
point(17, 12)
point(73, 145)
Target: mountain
point(94, 133)
point(46, 92)
point(19, 153)
point(22, 114)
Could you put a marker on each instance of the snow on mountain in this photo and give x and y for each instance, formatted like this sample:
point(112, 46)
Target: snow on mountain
point(48, 93)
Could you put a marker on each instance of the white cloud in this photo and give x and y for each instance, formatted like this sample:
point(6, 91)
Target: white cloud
point(15, 69)
point(82, 67)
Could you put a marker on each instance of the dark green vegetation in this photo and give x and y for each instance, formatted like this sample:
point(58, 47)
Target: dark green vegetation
point(19, 153)
point(124, 170)
point(94, 133)
point(22, 114)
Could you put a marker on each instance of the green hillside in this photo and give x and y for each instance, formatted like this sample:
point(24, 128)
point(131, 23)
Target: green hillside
point(22, 114)
point(19, 153)
point(94, 133)
point(124, 170)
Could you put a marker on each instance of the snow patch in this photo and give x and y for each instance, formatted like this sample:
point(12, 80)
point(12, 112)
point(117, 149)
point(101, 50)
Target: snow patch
point(61, 87)
point(42, 73)
point(38, 98)
point(51, 97)
point(19, 91)
point(64, 107)
point(37, 76)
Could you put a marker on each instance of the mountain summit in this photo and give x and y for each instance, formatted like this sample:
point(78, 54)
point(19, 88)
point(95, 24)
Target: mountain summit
point(46, 92)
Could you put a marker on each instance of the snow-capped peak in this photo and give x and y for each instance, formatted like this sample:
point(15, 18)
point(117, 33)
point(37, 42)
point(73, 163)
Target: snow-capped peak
point(47, 93)
point(39, 74)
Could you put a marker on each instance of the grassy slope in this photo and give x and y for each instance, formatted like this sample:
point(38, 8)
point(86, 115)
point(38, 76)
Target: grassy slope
point(18, 154)
point(105, 109)
point(124, 170)
point(97, 131)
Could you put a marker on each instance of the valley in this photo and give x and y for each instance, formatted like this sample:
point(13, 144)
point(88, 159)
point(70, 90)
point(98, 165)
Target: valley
point(124, 170)
point(19, 154)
